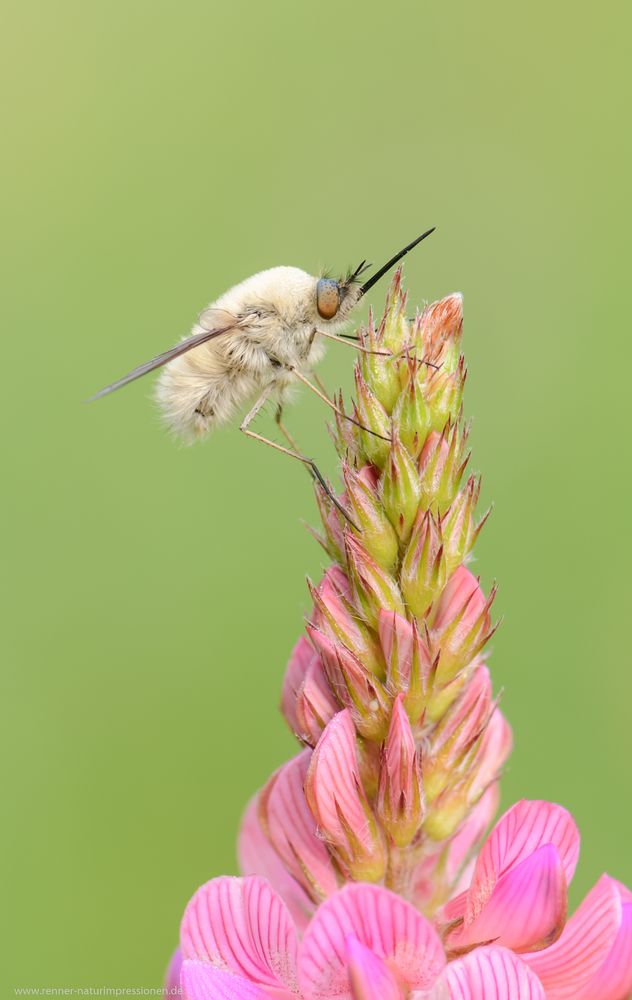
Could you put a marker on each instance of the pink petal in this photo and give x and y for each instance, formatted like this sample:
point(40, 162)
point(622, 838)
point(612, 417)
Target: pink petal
point(518, 833)
point(257, 856)
point(396, 639)
point(381, 921)
point(292, 829)
point(487, 974)
point(172, 977)
point(333, 785)
point(568, 965)
point(295, 673)
point(201, 981)
point(369, 976)
point(614, 979)
point(527, 908)
point(315, 703)
point(242, 926)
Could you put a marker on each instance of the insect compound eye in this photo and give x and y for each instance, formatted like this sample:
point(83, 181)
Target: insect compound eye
point(327, 298)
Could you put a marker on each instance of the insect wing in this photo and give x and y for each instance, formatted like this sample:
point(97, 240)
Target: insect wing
point(213, 318)
point(229, 322)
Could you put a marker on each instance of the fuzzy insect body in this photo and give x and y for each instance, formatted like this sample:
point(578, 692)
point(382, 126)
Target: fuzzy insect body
point(272, 319)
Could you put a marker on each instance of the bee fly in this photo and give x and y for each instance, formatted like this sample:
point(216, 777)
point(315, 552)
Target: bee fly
point(254, 342)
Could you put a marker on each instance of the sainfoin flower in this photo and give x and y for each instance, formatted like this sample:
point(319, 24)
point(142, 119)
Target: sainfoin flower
point(367, 871)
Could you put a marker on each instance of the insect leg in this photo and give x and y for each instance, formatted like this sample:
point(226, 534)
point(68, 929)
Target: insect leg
point(333, 406)
point(292, 452)
point(353, 342)
point(319, 382)
point(278, 419)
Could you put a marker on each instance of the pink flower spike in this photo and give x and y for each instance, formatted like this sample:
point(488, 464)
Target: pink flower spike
point(292, 831)
point(258, 857)
point(369, 976)
point(614, 979)
point(568, 966)
point(387, 925)
point(486, 974)
point(339, 804)
point(241, 926)
point(201, 981)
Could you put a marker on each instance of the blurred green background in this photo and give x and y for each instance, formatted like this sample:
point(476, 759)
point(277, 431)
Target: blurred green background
point(154, 154)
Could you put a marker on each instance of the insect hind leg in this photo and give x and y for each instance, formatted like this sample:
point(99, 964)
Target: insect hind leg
point(293, 451)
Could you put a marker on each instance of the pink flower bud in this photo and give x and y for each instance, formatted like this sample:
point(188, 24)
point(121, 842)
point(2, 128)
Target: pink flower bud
point(424, 572)
point(479, 769)
point(339, 804)
point(457, 524)
point(456, 735)
point(335, 615)
point(332, 519)
point(461, 624)
point(400, 490)
point(307, 701)
point(291, 829)
point(411, 417)
point(355, 687)
point(400, 793)
point(372, 415)
point(343, 433)
point(300, 659)
point(394, 329)
point(373, 588)
point(441, 464)
point(376, 531)
point(409, 668)
point(378, 371)
point(444, 395)
point(442, 324)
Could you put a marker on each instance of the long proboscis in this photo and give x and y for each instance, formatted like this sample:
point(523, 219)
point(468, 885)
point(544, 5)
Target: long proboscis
point(394, 260)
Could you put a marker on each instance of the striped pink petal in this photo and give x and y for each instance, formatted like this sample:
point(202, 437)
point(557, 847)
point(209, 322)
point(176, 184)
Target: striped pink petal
point(568, 966)
point(201, 981)
point(381, 921)
point(295, 673)
point(369, 976)
point(172, 977)
point(292, 829)
point(257, 856)
point(527, 908)
point(487, 974)
point(315, 703)
point(334, 789)
point(613, 980)
point(524, 828)
point(242, 926)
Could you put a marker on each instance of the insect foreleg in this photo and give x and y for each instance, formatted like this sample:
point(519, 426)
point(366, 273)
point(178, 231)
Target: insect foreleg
point(333, 406)
point(292, 452)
